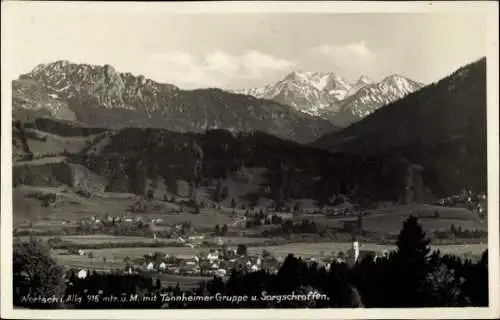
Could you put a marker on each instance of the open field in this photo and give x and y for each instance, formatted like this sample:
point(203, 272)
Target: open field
point(114, 256)
point(390, 220)
point(185, 282)
point(100, 238)
point(42, 143)
point(70, 206)
point(111, 239)
point(392, 225)
point(96, 263)
point(312, 249)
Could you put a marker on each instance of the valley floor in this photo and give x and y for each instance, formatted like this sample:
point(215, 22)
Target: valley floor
point(112, 252)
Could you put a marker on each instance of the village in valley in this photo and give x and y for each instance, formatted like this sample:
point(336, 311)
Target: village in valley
point(145, 244)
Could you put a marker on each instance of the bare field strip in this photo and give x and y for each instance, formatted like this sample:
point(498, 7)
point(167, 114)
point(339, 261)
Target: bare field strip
point(100, 238)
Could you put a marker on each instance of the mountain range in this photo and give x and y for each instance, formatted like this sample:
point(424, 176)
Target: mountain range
point(327, 95)
point(100, 96)
point(125, 130)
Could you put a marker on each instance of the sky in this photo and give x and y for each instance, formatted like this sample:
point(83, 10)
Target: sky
point(246, 50)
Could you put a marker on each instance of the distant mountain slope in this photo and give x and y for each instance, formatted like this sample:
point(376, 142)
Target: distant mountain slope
point(332, 97)
point(100, 96)
point(441, 127)
point(371, 97)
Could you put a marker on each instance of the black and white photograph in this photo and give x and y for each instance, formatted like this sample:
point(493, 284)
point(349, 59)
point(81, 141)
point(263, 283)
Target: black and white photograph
point(276, 157)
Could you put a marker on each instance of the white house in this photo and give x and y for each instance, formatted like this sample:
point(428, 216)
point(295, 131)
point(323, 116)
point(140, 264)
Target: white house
point(163, 266)
point(81, 252)
point(82, 274)
point(254, 268)
point(221, 272)
point(150, 266)
point(212, 256)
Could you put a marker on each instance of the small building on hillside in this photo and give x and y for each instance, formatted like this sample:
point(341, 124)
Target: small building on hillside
point(163, 266)
point(150, 266)
point(213, 256)
point(221, 273)
point(82, 274)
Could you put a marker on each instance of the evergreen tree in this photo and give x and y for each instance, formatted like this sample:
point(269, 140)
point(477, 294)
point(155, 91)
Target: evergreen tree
point(224, 229)
point(413, 246)
point(224, 193)
point(150, 194)
point(241, 250)
point(443, 288)
point(158, 284)
point(410, 265)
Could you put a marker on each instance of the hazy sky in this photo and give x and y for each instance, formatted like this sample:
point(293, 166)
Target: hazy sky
point(242, 50)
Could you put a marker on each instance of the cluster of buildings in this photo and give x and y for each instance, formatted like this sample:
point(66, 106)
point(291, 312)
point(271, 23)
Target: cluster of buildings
point(119, 219)
point(219, 262)
point(216, 262)
point(467, 199)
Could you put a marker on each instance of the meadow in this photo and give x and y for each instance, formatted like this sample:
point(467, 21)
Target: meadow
point(100, 238)
point(389, 220)
point(115, 256)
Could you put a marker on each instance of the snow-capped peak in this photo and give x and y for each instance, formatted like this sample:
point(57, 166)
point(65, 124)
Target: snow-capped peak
point(363, 81)
point(400, 83)
point(323, 93)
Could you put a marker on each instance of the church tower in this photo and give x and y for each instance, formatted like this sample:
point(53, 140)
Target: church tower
point(354, 249)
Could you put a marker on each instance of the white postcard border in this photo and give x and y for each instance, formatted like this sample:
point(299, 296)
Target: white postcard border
point(9, 8)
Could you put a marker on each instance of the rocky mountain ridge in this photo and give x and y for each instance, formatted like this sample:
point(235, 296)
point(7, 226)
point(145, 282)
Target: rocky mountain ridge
point(100, 96)
point(327, 95)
